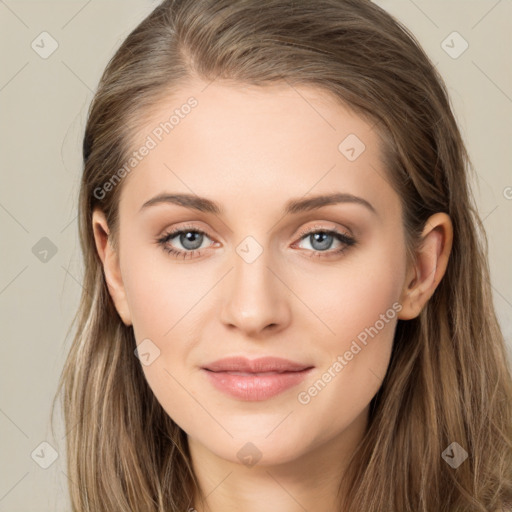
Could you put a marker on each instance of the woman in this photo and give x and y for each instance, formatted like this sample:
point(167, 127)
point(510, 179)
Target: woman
point(286, 297)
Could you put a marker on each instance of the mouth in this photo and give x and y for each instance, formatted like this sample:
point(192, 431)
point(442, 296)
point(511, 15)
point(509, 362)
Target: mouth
point(252, 366)
point(255, 380)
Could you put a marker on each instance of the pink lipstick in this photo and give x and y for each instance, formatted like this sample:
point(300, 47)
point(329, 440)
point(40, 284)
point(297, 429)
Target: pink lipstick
point(257, 379)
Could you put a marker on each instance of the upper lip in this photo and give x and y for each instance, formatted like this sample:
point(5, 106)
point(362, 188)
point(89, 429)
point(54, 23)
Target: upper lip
point(259, 365)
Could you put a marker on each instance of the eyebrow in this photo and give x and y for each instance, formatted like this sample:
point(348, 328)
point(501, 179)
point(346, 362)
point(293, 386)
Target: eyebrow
point(293, 206)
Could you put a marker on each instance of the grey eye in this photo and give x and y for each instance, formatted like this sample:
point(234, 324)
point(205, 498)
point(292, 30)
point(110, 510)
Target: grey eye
point(190, 240)
point(319, 241)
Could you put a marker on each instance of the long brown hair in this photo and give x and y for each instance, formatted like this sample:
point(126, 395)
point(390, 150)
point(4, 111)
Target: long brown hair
point(448, 379)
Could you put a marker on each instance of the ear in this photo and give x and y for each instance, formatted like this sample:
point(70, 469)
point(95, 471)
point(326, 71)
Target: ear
point(111, 268)
point(429, 267)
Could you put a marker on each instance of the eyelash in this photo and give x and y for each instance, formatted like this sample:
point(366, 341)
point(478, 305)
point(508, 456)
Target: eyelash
point(347, 240)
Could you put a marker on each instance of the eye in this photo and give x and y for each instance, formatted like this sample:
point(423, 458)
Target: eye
point(321, 239)
point(190, 238)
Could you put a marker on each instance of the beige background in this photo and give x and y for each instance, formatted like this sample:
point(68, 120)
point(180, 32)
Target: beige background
point(43, 105)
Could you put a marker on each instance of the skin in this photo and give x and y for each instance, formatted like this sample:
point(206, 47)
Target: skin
point(251, 150)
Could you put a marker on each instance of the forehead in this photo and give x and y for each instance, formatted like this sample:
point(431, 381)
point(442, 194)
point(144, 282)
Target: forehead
point(226, 140)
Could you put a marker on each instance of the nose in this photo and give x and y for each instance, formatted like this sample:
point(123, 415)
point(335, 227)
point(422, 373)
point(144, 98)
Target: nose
point(255, 297)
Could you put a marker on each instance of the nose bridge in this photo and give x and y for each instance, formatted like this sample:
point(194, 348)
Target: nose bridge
point(253, 297)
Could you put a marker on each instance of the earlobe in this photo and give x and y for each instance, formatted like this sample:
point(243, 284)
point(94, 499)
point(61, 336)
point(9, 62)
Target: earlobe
point(429, 267)
point(111, 268)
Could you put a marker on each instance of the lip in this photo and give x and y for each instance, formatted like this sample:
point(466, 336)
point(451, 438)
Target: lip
point(256, 379)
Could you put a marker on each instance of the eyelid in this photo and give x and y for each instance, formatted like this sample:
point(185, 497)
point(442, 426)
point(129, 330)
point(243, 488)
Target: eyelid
point(318, 227)
point(185, 227)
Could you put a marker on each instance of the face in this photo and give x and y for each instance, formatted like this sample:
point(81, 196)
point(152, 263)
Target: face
point(260, 269)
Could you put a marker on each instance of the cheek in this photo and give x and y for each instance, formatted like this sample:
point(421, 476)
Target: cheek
point(352, 296)
point(358, 308)
point(161, 298)
point(159, 291)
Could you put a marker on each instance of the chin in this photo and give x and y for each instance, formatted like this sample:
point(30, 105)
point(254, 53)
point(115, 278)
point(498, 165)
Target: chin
point(249, 447)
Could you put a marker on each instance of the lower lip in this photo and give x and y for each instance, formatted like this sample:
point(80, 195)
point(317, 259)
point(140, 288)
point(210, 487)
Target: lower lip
point(255, 387)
